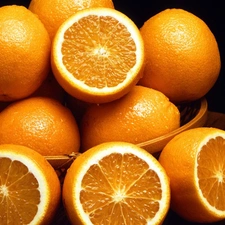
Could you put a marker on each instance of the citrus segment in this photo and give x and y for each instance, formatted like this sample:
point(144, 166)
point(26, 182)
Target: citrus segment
point(53, 13)
point(195, 163)
point(211, 178)
point(29, 187)
point(116, 183)
point(98, 55)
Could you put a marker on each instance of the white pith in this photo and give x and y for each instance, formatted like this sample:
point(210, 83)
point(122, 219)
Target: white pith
point(207, 205)
point(33, 168)
point(106, 12)
point(119, 196)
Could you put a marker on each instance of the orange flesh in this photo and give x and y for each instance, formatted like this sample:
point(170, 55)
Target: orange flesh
point(19, 194)
point(211, 172)
point(122, 186)
point(99, 51)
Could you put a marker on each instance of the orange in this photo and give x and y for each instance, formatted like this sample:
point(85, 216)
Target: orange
point(29, 187)
point(143, 114)
point(182, 55)
point(194, 160)
point(116, 183)
point(53, 12)
point(42, 124)
point(25, 52)
point(98, 55)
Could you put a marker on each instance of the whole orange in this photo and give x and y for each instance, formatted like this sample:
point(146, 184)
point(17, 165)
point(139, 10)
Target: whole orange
point(53, 12)
point(141, 115)
point(42, 124)
point(25, 52)
point(182, 55)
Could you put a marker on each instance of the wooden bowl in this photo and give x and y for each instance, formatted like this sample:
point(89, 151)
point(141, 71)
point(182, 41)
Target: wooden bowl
point(193, 114)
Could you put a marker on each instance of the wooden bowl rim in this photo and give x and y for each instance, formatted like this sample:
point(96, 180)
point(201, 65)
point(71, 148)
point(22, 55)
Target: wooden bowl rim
point(64, 161)
point(200, 116)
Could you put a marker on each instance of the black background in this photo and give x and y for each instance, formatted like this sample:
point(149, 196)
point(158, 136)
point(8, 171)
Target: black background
point(212, 12)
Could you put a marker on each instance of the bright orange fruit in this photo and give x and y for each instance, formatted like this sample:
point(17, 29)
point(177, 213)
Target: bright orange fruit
point(182, 55)
point(25, 52)
point(29, 187)
point(141, 115)
point(53, 13)
point(194, 160)
point(116, 183)
point(42, 124)
point(98, 55)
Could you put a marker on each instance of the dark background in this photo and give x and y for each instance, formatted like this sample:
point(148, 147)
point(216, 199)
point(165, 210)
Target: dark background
point(212, 12)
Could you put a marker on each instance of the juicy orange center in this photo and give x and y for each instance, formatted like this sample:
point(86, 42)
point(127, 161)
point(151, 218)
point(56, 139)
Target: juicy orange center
point(211, 172)
point(19, 194)
point(99, 51)
point(123, 185)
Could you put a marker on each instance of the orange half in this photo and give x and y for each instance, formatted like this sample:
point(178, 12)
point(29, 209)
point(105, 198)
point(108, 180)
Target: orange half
point(98, 55)
point(116, 183)
point(194, 160)
point(29, 187)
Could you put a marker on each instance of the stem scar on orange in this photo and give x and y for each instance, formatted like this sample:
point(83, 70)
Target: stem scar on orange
point(98, 55)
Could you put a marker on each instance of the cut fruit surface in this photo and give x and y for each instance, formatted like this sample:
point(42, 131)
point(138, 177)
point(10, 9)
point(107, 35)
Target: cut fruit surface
point(195, 162)
point(210, 172)
point(29, 187)
point(98, 55)
point(53, 13)
point(116, 183)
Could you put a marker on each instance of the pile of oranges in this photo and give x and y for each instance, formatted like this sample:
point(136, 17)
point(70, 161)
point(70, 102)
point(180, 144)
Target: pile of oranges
point(79, 78)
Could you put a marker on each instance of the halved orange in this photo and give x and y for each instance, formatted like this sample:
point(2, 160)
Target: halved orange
point(195, 163)
point(116, 183)
point(98, 55)
point(29, 187)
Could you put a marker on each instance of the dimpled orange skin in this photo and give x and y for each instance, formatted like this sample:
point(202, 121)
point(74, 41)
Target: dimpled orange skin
point(141, 115)
point(182, 55)
point(25, 52)
point(42, 124)
point(53, 12)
